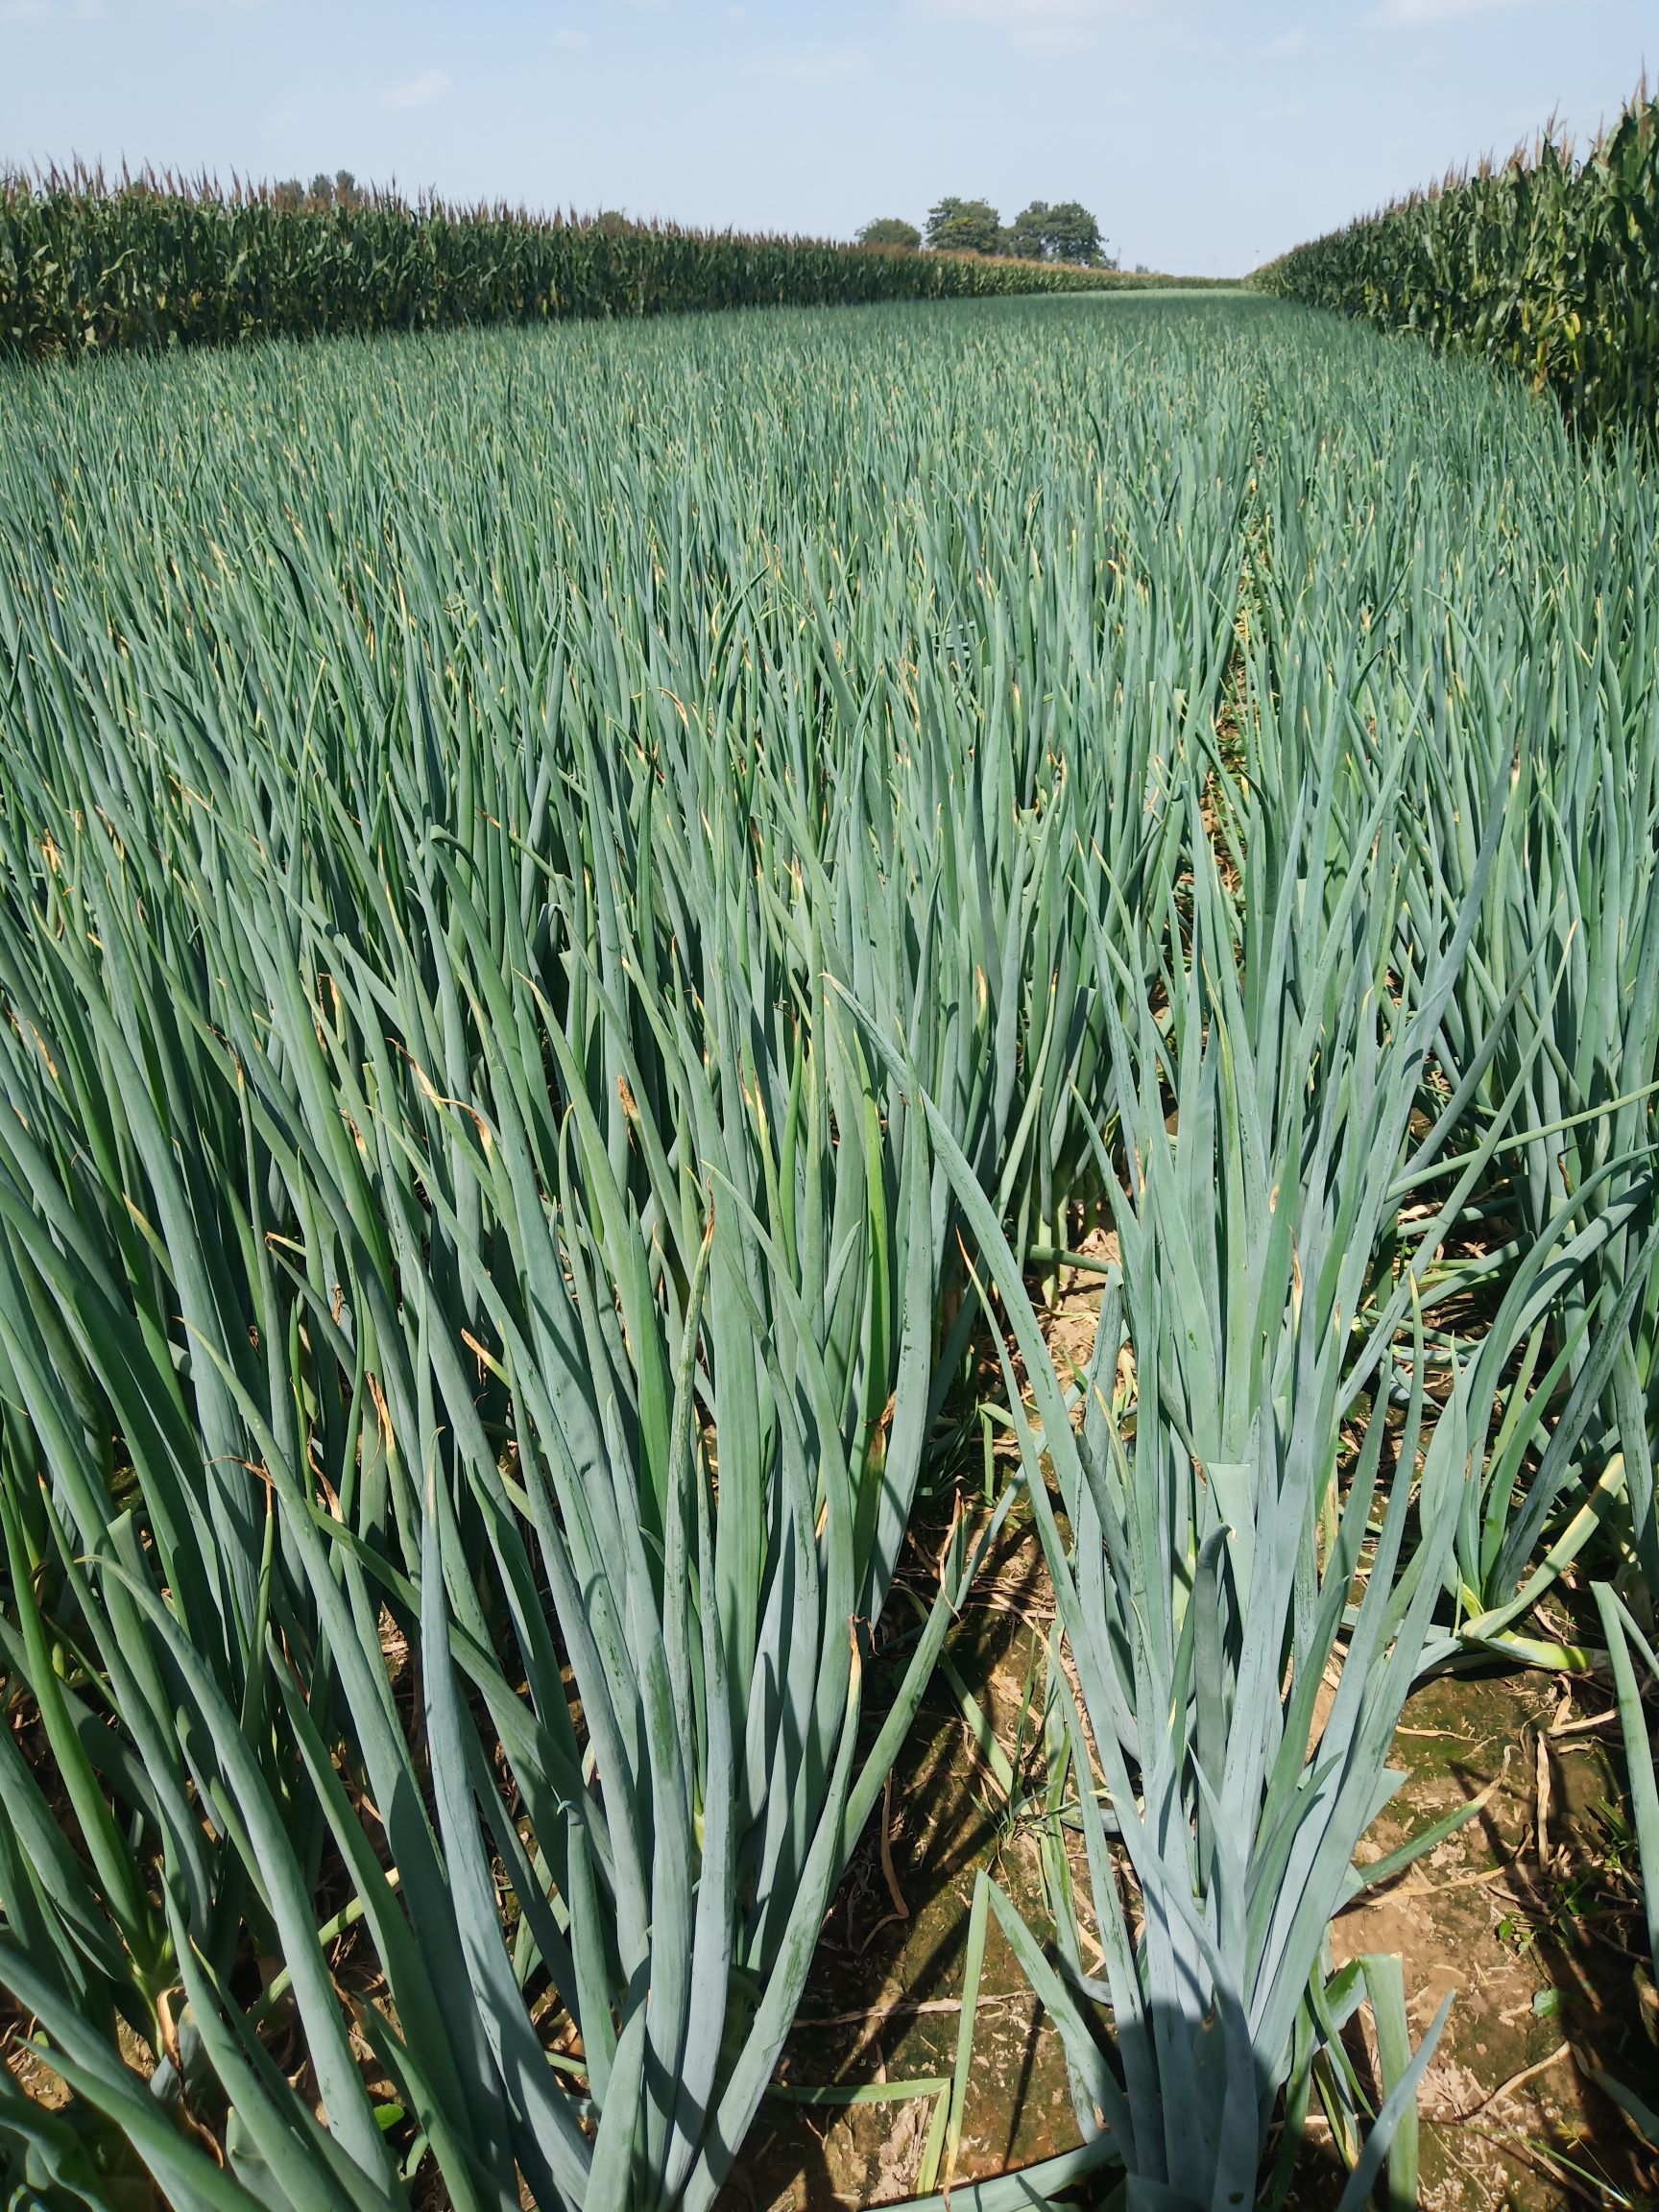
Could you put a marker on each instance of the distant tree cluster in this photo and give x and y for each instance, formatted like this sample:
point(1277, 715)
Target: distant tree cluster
point(891, 230)
point(341, 190)
point(1066, 232)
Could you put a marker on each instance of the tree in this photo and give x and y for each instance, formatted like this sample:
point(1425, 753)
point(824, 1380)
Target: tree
point(890, 230)
point(964, 227)
point(1071, 234)
point(1028, 235)
point(341, 190)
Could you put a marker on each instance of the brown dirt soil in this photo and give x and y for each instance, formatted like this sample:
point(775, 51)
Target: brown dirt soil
point(1535, 1939)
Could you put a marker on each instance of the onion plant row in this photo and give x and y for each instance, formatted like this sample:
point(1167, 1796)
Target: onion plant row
point(571, 906)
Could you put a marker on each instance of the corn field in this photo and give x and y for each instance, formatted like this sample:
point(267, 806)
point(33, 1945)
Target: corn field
point(88, 264)
point(1548, 265)
point(585, 920)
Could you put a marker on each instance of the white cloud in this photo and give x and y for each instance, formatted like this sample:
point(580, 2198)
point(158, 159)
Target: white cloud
point(1288, 43)
point(1406, 12)
point(422, 92)
point(571, 41)
point(1041, 26)
point(810, 65)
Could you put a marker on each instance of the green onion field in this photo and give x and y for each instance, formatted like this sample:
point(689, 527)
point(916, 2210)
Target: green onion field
point(594, 924)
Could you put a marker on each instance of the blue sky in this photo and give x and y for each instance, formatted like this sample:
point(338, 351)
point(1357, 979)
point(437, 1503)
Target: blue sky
point(1206, 136)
